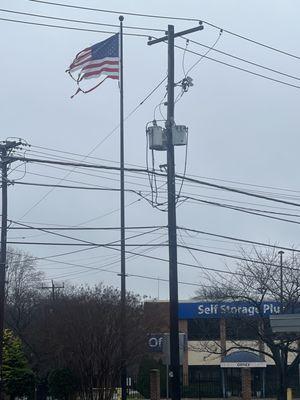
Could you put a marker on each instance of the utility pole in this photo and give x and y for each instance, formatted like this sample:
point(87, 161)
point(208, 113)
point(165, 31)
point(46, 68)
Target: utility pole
point(5, 148)
point(174, 371)
point(53, 288)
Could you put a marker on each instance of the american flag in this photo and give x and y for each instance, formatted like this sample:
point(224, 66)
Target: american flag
point(100, 59)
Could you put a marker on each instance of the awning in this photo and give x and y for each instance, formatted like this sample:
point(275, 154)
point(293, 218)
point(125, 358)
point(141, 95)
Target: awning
point(242, 359)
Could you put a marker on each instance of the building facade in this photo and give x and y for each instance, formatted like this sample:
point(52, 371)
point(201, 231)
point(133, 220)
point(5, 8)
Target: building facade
point(222, 343)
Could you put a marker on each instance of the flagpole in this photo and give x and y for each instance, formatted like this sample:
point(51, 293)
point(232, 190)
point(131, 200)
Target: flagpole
point(122, 230)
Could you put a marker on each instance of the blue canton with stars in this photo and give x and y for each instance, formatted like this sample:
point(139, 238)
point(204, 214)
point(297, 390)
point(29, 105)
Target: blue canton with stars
point(107, 48)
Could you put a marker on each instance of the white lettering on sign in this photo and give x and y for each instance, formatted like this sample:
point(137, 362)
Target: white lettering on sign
point(212, 309)
point(155, 342)
point(219, 309)
point(243, 364)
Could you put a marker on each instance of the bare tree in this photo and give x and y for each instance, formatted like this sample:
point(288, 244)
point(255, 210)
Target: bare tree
point(22, 281)
point(80, 330)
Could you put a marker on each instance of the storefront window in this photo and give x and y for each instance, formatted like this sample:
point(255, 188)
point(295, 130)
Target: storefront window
point(204, 329)
point(241, 328)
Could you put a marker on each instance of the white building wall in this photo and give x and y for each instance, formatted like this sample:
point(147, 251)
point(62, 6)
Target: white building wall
point(209, 352)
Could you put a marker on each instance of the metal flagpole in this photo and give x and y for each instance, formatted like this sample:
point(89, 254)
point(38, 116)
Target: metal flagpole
point(122, 204)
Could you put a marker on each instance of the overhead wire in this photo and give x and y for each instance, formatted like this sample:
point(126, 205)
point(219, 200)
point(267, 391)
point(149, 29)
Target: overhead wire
point(100, 228)
point(241, 240)
point(239, 208)
point(159, 245)
point(116, 258)
point(145, 171)
point(255, 64)
point(68, 27)
point(187, 184)
point(193, 199)
point(78, 20)
point(131, 275)
point(109, 245)
point(239, 68)
point(189, 175)
point(98, 144)
point(78, 239)
point(140, 35)
point(244, 210)
point(209, 178)
point(158, 16)
point(205, 54)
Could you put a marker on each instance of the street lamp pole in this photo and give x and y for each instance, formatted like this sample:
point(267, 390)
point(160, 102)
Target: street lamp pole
point(281, 280)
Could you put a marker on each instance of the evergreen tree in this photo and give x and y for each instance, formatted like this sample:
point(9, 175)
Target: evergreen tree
point(17, 376)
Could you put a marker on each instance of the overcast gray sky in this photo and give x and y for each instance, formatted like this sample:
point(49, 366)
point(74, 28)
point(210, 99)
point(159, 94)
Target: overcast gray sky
point(241, 128)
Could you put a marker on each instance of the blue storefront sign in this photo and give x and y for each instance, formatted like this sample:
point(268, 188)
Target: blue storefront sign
point(227, 309)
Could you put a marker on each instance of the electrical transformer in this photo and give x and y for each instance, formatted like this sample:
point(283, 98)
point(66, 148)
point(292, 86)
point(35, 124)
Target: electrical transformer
point(157, 138)
point(179, 133)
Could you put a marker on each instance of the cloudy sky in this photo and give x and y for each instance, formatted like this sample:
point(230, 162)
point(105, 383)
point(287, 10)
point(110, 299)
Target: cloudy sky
point(243, 132)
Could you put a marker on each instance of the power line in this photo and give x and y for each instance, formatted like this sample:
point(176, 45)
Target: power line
point(109, 246)
point(100, 143)
point(81, 250)
point(193, 199)
point(112, 263)
point(243, 183)
point(189, 175)
point(84, 243)
point(238, 68)
point(238, 191)
point(186, 193)
point(244, 210)
point(238, 202)
point(238, 239)
point(77, 239)
point(128, 275)
point(68, 27)
point(109, 263)
point(140, 35)
point(202, 177)
point(244, 60)
point(112, 228)
point(179, 263)
point(157, 16)
point(114, 12)
point(79, 21)
point(144, 178)
point(103, 228)
point(139, 193)
point(140, 170)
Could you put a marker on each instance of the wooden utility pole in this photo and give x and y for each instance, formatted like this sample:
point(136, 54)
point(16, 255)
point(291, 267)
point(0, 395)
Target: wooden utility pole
point(5, 148)
point(174, 371)
point(53, 288)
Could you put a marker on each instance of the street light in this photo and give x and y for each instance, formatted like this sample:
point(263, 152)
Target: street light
point(281, 281)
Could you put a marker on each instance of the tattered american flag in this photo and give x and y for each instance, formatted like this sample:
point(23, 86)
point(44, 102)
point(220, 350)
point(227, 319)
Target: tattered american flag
point(99, 59)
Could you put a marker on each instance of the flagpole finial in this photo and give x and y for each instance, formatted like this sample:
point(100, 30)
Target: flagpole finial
point(121, 18)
